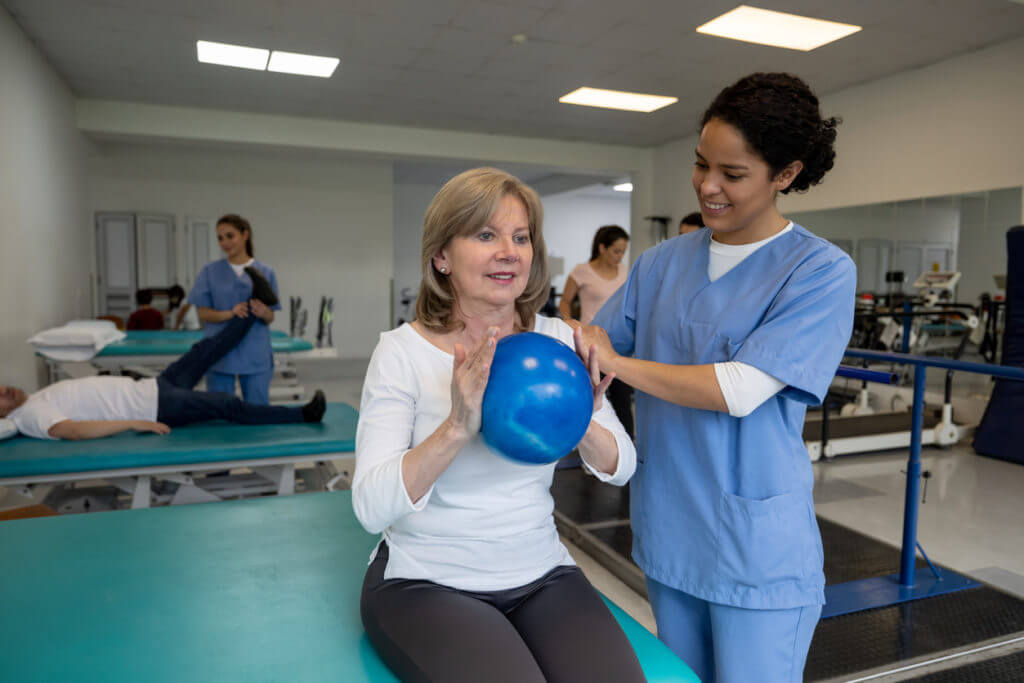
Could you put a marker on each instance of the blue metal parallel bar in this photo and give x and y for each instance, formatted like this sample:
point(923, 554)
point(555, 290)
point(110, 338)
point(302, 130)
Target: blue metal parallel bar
point(850, 372)
point(908, 556)
point(911, 583)
point(1004, 371)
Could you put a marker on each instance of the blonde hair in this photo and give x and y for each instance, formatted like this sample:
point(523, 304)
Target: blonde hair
point(460, 208)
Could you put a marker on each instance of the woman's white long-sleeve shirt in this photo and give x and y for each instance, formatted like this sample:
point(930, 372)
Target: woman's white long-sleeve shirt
point(486, 524)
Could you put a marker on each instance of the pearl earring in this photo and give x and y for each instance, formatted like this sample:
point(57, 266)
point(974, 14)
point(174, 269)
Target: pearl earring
point(444, 270)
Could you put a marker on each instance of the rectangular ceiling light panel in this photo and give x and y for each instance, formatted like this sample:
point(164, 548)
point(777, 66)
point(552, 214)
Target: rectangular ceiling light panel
point(616, 99)
point(765, 27)
point(303, 65)
point(232, 55)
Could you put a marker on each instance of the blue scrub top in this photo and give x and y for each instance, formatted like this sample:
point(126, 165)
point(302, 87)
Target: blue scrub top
point(219, 288)
point(722, 506)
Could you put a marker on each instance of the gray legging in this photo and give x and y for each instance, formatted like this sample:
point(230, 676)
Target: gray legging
point(555, 629)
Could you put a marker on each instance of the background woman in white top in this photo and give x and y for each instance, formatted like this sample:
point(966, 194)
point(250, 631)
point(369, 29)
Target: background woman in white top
point(470, 581)
point(594, 282)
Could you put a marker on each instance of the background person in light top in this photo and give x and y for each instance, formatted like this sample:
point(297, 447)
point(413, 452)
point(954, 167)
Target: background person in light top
point(223, 290)
point(470, 581)
point(593, 283)
point(727, 334)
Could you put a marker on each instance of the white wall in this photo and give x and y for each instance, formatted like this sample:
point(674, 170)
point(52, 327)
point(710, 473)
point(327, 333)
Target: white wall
point(985, 218)
point(570, 221)
point(323, 223)
point(44, 231)
point(914, 222)
point(947, 128)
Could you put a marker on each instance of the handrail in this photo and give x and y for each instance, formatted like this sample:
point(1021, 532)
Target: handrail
point(1003, 371)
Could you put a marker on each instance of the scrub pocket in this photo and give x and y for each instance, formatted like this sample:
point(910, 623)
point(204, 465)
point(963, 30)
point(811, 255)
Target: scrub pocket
point(700, 343)
point(766, 541)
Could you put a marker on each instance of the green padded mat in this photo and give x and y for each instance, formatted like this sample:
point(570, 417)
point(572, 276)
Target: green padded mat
point(264, 589)
point(218, 441)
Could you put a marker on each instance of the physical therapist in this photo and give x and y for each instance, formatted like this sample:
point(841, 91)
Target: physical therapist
point(727, 335)
point(224, 290)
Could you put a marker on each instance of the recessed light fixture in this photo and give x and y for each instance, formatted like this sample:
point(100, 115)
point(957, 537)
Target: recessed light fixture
point(765, 27)
point(303, 65)
point(232, 55)
point(623, 187)
point(616, 99)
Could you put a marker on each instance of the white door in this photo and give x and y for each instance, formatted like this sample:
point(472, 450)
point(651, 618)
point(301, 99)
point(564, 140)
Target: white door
point(202, 245)
point(873, 258)
point(915, 258)
point(156, 249)
point(115, 263)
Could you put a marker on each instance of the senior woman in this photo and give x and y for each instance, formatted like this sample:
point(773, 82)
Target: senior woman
point(470, 581)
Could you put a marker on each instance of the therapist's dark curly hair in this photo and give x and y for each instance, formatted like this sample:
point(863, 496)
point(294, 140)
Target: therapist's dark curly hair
point(778, 115)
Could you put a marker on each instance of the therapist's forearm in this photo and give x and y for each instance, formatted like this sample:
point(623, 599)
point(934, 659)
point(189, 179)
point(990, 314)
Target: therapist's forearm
point(599, 449)
point(693, 386)
point(212, 315)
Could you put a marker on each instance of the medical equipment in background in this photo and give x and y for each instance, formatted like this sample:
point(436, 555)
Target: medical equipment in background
point(324, 330)
point(298, 317)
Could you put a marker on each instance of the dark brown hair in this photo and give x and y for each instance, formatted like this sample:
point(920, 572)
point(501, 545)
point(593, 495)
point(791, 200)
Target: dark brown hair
point(606, 236)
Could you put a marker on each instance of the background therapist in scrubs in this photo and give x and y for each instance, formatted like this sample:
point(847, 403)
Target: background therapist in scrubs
point(223, 290)
point(733, 331)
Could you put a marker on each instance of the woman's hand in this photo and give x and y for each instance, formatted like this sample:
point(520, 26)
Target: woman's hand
point(588, 354)
point(261, 310)
point(150, 426)
point(469, 380)
point(240, 310)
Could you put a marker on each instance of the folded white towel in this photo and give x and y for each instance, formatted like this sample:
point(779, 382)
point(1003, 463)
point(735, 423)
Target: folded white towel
point(77, 340)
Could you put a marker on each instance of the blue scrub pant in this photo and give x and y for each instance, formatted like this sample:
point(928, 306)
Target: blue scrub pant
point(255, 386)
point(726, 644)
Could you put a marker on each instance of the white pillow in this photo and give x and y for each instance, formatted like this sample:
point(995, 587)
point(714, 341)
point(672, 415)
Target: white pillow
point(7, 428)
point(94, 333)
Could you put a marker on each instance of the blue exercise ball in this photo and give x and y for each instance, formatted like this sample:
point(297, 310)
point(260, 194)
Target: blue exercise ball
point(539, 399)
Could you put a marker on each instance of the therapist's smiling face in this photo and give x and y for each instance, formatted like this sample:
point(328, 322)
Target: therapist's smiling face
point(11, 398)
point(734, 186)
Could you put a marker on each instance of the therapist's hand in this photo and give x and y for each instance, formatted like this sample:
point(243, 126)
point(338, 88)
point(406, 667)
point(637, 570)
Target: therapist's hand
point(240, 310)
point(260, 310)
point(596, 336)
point(589, 356)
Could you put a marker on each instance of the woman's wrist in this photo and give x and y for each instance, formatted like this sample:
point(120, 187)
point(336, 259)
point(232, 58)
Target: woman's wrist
point(599, 448)
point(454, 432)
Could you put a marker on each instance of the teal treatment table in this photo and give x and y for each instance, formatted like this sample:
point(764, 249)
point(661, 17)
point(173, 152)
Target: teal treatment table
point(255, 590)
point(132, 460)
point(174, 343)
point(147, 352)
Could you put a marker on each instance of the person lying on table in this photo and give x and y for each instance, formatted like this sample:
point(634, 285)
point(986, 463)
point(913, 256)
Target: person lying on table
point(94, 407)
